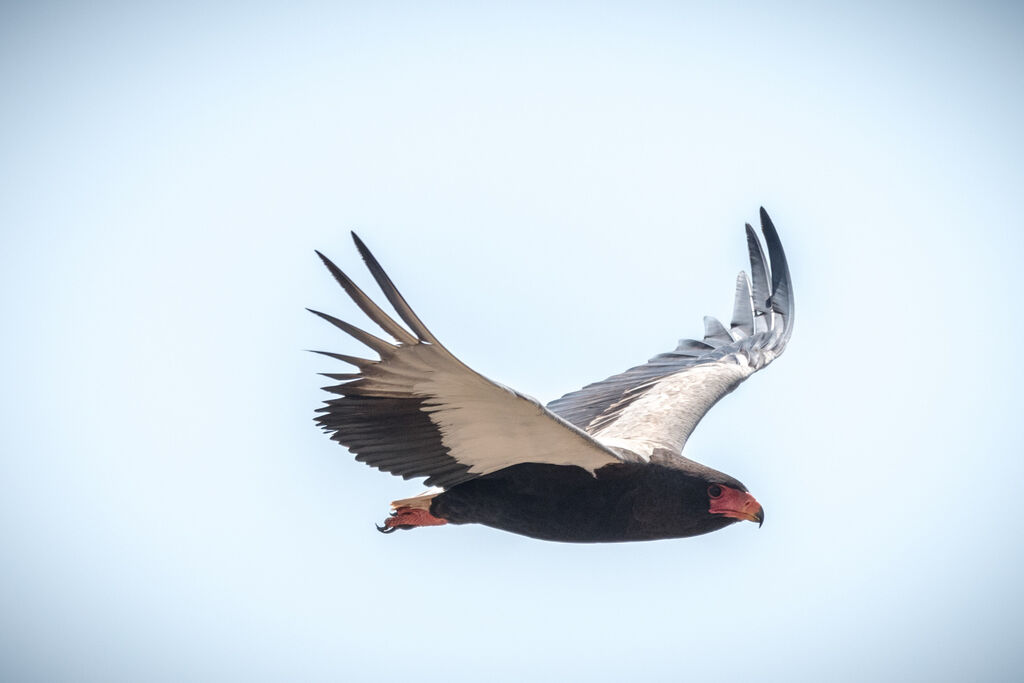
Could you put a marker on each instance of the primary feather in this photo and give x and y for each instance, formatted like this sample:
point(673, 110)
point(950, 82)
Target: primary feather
point(658, 404)
point(420, 412)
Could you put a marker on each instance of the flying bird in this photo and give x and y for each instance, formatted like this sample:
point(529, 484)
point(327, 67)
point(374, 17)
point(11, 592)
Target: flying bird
point(600, 464)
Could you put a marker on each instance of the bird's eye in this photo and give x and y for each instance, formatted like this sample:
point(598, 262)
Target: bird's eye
point(714, 490)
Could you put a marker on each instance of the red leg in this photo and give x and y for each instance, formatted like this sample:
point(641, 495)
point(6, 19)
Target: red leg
point(408, 518)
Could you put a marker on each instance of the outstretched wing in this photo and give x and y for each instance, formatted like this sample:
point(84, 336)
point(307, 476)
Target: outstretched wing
point(420, 412)
point(657, 405)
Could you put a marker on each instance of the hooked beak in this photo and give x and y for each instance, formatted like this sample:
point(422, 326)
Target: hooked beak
point(754, 513)
point(738, 505)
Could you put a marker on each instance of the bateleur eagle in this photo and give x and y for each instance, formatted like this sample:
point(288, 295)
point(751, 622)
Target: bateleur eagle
point(600, 464)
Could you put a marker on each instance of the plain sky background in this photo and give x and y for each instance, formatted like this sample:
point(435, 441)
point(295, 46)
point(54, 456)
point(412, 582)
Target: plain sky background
point(559, 190)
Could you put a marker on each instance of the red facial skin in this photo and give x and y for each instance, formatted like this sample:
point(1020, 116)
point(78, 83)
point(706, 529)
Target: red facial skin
point(736, 504)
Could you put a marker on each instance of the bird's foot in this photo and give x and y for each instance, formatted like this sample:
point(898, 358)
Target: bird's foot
point(409, 518)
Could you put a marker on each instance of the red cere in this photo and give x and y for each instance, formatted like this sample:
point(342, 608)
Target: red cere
point(736, 504)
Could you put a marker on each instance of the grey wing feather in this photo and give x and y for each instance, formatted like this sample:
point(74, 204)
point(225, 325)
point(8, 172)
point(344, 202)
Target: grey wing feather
point(715, 332)
point(742, 324)
point(758, 272)
point(658, 404)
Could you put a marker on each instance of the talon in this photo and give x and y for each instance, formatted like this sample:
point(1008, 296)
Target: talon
point(409, 518)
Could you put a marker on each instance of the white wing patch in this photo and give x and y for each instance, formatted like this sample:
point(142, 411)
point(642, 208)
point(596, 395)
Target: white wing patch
point(668, 412)
point(484, 424)
point(658, 404)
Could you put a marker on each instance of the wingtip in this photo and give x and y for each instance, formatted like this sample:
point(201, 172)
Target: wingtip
point(335, 271)
point(322, 315)
point(360, 245)
point(782, 287)
point(364, 252)
point(767, 225)
point(771, 236)
point(752, 237)
point(326, 316)
point(319, 314)
point(392, 294)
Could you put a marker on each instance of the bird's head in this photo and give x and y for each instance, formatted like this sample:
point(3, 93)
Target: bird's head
point(711, 498)
point(701, 499)
point(733, 501)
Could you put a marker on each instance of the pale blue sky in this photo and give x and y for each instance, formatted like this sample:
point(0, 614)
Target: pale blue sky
point(559, 190)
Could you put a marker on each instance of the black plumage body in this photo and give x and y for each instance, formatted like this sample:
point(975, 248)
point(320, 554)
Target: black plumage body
point(623, 502)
